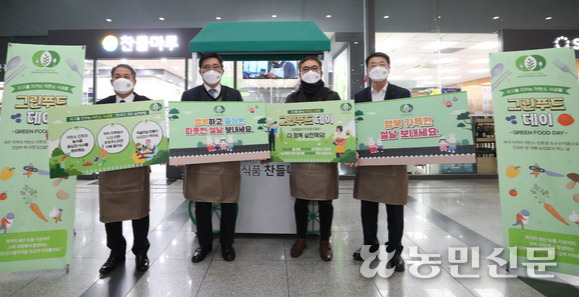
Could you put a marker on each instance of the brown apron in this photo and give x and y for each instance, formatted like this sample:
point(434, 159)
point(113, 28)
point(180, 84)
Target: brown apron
point(384, 184)
point(124, 194)
point(314, 181)
point(213, 182)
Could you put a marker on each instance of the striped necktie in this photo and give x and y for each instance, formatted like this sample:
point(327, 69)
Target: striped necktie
point(212, 92)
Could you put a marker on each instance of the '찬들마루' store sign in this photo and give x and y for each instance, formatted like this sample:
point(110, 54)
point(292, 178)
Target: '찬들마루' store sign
point(535, 105)
point(36, 213)
point(98, 138)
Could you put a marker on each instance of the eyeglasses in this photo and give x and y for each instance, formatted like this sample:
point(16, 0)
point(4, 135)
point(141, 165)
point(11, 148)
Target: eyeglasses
point(383, 64)
point(313, 68)
point(211, 67)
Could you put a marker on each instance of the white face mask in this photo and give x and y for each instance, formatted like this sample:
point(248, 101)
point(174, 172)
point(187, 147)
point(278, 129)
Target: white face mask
point(378, 74)
point(122, 85)
point(211, 77)
point(311, 77)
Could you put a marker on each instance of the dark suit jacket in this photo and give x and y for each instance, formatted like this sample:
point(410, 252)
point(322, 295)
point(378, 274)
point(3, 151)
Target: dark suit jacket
point(392, 92)
point(113, 99)
point(123, 194)
point(218, 182)
point(392, 179)
point(199, 93)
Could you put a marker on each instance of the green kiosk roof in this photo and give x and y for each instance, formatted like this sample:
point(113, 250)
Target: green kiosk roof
point(254, 41)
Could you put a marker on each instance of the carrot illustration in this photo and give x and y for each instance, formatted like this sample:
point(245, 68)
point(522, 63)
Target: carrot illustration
point(553, 212)
point(29, 195)
point(34, 207)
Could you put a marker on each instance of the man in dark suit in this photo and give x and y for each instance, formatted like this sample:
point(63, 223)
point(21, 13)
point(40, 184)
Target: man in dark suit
point(124, 194)
point(393, 180)
point(213, 182)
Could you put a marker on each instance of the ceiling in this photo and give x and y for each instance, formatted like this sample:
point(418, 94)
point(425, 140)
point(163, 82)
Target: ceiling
point(410, 60)
point(416, 57)
point(36, 17)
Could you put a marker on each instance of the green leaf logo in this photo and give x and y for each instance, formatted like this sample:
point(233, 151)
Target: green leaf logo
point(406, 108)
point(346, 107)
point(531, 63)
point(156, 107)
point(219, 109)
point(45, 59)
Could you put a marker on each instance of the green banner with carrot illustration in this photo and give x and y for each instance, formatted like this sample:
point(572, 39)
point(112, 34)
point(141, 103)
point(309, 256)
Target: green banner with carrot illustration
point(535, 104)
point(36, 213)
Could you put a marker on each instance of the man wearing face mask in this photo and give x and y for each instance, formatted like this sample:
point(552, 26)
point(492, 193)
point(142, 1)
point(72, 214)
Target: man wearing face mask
point(313, 181)
point(393, 180)
point(213, 182)
point(124, 194)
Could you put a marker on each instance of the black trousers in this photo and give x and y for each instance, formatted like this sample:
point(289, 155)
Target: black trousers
point(326, 211)
point(117, 243)
point(395, 219)
point(205, 225)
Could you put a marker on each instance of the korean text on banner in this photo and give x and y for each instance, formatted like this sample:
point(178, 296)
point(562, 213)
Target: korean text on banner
point(37, 213)
point(535, 99)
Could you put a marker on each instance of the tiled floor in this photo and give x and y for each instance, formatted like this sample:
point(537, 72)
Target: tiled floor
point(440, 214)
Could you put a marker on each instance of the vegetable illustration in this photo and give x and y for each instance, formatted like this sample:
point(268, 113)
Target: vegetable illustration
point(543, 195)
point(62, 195)
point(29, 194)
point(3, 196)
point(513, 192)
point(57, 181)
point(513, 171)
point(36, 209)
point(553, 212)
point(574, 177)
point(7, 173)
point(565, 119)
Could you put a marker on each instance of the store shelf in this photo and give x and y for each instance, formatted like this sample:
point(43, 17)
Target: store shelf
point(486, 165)
point(485, 150)
point(485, 139)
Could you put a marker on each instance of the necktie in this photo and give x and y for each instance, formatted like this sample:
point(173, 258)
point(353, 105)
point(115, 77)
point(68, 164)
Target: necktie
point(212, 92)
point(122, 101)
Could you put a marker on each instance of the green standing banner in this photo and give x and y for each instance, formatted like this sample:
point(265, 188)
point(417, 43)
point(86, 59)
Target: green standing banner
point(536, 101)
point(98, 138)
point(321, 131)
point(420, 130)
point(37, 213)
point(205, 132)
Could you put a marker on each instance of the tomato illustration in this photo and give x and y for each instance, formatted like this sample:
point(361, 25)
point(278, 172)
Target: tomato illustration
point(513, 192)
point(3, 196)
point(513, 171)
point(565, 119)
